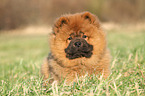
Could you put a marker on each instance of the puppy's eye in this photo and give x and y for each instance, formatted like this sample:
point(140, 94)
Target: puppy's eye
point(69, 38)
point(84, 36)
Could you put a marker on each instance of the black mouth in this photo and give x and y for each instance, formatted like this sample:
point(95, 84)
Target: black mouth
point(79, 54)
point(74, 51)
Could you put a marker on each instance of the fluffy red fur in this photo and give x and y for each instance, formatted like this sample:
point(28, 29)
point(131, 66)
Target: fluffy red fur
point(58, 66)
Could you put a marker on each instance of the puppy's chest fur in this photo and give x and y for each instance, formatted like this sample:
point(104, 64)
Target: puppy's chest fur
point(59, 72)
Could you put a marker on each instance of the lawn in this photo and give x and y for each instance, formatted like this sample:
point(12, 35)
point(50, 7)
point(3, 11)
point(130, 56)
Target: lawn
point(21, 56)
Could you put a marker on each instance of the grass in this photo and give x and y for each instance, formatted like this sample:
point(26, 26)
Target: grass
point(22, 55)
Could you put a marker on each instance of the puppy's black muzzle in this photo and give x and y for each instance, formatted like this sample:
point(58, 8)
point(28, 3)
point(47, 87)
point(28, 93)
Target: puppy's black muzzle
point(77, 48)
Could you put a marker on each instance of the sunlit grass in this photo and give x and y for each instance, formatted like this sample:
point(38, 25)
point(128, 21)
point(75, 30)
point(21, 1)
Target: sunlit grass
point(22, 55)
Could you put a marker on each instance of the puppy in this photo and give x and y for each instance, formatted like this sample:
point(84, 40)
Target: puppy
point(77, 46)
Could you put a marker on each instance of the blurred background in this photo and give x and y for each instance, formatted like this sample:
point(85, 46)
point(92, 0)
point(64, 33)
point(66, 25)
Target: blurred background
point(21, 13)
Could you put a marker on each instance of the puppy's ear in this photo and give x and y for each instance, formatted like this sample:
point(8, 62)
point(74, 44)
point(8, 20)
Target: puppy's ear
point(92, 18)
point(60, 23)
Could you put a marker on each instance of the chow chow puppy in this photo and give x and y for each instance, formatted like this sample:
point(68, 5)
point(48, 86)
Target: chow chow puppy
point(77, 46)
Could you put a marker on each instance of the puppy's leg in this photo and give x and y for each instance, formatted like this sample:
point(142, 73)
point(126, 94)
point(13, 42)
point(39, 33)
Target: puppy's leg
point(45, 71)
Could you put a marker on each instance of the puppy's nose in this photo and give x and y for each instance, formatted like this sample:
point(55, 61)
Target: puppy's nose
point(77, 44)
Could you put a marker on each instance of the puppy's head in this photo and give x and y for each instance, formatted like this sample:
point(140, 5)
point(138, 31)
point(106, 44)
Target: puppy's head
point(77, 36)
